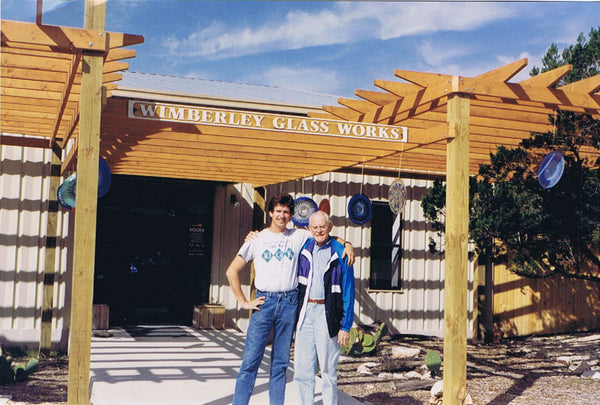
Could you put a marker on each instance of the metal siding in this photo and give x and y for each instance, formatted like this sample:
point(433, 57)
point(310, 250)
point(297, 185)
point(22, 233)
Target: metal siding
point(31, 236)
point(10, 170)
point(24, 184)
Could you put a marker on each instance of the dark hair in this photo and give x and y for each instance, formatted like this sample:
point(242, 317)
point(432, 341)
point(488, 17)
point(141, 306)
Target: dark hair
point(284, 199)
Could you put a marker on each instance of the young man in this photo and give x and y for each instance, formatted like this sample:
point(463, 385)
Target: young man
point(275, 252)
point(326, 310)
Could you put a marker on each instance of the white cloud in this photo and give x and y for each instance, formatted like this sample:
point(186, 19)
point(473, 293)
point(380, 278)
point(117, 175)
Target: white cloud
point(398, 20)
point(437, 55)
point(309, 79)
point(524, 73)
point(342, 23)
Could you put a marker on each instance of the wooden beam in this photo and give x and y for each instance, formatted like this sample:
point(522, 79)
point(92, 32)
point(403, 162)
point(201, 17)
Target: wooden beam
point(70, 161)
point(361, 106)
point(504, 73)
point(376, 97)
point(59, 38)
point(343, 112)
point(589, 85)
point(25, 142)
point(549, 78)
point(85, 215)
point(50, 259)
point(457, 228)
point(119, 54)
point(65, 95)
point(397, 88)
point(38, 12)
point(421, 79)
point(120, 40)
point(552, 98)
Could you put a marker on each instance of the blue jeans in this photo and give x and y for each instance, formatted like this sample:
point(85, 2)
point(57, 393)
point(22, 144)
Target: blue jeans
point(312, 343)
point(278, 313)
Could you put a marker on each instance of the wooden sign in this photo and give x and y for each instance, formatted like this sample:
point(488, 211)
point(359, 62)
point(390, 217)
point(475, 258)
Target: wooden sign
point(269, 122)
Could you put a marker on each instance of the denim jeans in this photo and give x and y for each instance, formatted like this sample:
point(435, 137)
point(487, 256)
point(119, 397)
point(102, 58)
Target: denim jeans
point(278, 313)
point(312, 343)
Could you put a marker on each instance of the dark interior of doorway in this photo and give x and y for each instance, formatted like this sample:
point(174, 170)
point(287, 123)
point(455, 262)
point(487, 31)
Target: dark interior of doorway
point(153, 249)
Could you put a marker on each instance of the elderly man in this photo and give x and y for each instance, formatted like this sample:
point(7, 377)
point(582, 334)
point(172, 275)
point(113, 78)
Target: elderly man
point(274, 251)
point(325, 310)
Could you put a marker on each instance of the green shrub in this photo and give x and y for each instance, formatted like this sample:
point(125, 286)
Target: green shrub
point(18, 372)
point(361, 342)
point(433, 361)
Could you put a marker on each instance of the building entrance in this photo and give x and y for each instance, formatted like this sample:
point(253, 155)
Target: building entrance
point(153, 250)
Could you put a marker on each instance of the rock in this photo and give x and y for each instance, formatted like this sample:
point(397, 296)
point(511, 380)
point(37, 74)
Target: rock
point(520, 352)
point(399, 376)
point(591, 375)
point(405, 352)
point(438, 389)
point(369, 368)
point(385, 375)
point(579, 367)
point(5, 398)
point(437, 393)
point(566, 360)
point(413, 375)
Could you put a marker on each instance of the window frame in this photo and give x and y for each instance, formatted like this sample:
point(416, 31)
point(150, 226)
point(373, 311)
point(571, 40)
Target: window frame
point(394, 248)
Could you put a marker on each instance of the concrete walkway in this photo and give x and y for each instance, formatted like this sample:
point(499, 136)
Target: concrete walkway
point(172, 365)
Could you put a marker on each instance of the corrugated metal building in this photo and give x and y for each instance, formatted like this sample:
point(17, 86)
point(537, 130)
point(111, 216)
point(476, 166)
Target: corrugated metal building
point(410, 301)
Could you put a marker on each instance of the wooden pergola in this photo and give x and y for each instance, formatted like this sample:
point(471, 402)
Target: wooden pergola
point(56, 93)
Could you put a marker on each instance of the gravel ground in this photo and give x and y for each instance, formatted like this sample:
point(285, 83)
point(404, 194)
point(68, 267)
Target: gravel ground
point(516, 371)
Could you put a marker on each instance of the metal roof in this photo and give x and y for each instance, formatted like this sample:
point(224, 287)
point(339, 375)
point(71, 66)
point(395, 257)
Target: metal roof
point(204, 88)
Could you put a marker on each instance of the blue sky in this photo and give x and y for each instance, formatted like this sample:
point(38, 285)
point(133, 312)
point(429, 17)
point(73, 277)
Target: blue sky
point(328, 47)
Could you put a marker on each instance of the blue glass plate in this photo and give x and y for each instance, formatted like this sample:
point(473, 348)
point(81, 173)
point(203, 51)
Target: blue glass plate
point(66, 192)
point(397, 196)
point(103, 178)
point(359, 209)
point(551, 169)
point(304, 207)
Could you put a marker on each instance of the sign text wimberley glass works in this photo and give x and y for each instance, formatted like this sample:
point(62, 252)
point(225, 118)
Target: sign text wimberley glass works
point(262, 121)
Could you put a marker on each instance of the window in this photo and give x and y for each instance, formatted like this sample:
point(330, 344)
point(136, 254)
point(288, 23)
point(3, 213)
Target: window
point(386, 250)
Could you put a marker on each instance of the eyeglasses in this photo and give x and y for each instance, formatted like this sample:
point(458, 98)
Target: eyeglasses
point(319, 228)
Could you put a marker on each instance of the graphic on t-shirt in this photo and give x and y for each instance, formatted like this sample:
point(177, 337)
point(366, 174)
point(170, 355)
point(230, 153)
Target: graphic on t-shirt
point(279, 255)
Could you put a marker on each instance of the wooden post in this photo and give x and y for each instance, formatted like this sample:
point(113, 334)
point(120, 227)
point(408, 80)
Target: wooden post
point(457, 227)
point(85, 213)
point(38, 12)
point(50, 260)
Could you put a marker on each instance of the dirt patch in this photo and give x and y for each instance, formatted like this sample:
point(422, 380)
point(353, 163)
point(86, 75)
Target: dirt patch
point(516, 371)
point(48, 385)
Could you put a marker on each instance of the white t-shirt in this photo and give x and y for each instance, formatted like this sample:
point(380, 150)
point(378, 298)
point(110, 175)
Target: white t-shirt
point(275, 258)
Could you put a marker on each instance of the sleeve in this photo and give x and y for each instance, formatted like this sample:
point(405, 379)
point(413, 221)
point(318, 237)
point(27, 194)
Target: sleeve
point(305, 234)
point(246, 252)
point(347, 296)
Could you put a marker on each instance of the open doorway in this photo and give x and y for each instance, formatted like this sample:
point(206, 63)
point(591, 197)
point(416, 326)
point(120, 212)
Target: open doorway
point(153, 249)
